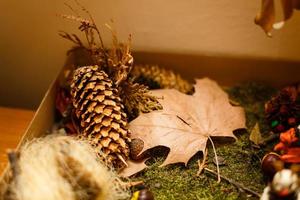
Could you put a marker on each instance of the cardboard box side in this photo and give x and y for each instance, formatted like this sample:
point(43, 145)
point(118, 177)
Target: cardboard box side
point(42, 121)
point(44, 117)
point(225, 69)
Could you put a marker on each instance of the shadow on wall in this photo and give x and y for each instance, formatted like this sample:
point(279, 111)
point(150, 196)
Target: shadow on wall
point(226, 70)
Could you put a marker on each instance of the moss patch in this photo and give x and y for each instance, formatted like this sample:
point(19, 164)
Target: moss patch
point(242, 160)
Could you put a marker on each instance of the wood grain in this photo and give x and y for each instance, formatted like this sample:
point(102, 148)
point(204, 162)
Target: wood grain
point(13, 123)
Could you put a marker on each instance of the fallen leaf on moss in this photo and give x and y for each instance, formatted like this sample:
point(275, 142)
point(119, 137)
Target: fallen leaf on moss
point(188, 121)
point(133, 168)
point(255, 135)
point(266, 17)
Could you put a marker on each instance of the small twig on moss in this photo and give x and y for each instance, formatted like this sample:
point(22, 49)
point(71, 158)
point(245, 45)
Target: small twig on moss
point(132, 184)
point(269, 139)
point(202, 164)
point(236, 184)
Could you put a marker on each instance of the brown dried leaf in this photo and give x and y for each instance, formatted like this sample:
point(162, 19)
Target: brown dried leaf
point(266, 17)
point(255, 135)
point(133, 168)
point(188, 121)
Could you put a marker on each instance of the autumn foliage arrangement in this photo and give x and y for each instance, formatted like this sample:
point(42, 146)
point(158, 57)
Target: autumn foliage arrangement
point(106, 101)
point(98, 101)
point(122, 111)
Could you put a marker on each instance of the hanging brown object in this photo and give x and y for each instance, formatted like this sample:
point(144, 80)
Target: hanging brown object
point(100, 112)
point(266, 17)
point(157, 77)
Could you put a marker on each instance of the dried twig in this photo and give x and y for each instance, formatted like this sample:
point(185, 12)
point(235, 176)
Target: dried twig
point(88, 26)
point(93, 22)
point(132, 184)
point(269, 139)
point(203, 163)
point(236, 184)
point(72, 37)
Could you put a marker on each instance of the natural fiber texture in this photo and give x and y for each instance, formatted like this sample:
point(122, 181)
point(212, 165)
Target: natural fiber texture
point(59, 168)
point(157, 77)
point(100, 112)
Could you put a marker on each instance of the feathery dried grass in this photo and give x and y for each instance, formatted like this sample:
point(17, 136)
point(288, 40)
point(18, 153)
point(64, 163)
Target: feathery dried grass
point(61, 167)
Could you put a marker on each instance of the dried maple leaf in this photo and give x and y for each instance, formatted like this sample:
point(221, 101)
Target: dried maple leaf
point(188, 121)
point(133, 168)
point(266, 17)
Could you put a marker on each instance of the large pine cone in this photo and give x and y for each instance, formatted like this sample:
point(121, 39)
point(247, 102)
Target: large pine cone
point(100, 112)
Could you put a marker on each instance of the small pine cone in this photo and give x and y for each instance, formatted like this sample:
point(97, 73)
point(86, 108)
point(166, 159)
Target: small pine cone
point(100, 113)
point(283, 110)
point(156, 77)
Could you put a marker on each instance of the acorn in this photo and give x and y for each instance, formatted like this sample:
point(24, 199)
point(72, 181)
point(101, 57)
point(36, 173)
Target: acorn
point(144, 194)
point(136, 146)
point(271, 163)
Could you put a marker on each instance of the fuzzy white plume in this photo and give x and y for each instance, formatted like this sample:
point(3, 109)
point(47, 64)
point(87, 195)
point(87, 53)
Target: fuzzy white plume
point(62, 168)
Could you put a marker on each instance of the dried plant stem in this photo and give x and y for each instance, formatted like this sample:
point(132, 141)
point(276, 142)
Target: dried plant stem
point(94, 24)
point(72, 9)
point(236, 184)
point(217, 162)
point(123, 160)
point(269, 139)
point(202, 164)
point(130, 184)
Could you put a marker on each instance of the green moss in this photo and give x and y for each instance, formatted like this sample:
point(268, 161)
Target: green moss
point(242, 160)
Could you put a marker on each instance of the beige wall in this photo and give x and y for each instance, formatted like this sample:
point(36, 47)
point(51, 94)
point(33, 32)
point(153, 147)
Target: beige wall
point(31, 53)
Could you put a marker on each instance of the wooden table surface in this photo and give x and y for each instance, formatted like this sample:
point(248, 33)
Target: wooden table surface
point(13, 123)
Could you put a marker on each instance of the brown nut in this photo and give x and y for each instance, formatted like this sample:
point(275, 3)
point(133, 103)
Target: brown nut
point(143, 195)
point(136, 146)
point(271, 163)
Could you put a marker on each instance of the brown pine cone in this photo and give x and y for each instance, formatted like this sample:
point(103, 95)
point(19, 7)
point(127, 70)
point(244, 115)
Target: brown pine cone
point(99, 109)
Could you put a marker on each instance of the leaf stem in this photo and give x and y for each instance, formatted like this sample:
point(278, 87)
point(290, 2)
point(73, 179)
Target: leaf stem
point(217, 162)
